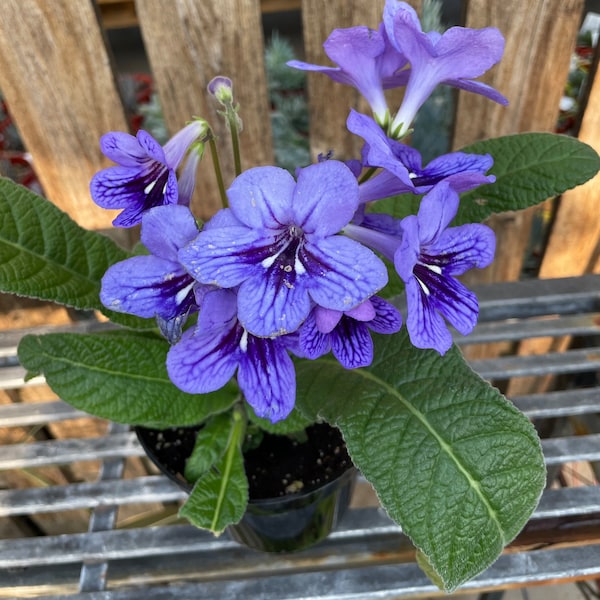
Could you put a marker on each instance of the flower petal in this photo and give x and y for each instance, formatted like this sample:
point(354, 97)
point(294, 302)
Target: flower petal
point(313, 342)
point(151, 147)
point(464, 247)
point(123, 148)
point(267, 378)
point(437, 209)
point(343, 272)
point(387, 317)
point(261, 198)
point(166, 229)
point(426, 327)
point(325, 198)
point(147, 286)
point(199, 364)
point(268, 307)
point(351, 344)
point(225, 256)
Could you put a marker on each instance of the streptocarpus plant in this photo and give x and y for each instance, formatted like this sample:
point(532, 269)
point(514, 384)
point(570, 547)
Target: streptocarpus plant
point(278, 311)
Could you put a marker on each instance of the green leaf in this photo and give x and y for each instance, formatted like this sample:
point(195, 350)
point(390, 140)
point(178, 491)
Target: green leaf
point(452, 461)
point(529, 168)
point(293, 423)
point(211, 443)
point(44, 254)
point(220, 496)
point(119, 376)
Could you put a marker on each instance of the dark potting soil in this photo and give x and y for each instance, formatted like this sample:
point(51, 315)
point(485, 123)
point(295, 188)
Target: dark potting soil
point(279, 466)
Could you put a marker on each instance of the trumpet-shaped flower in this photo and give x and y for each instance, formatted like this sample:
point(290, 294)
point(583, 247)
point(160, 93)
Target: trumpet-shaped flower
point(208, 355)
point(279, 243)
point(454, 58)
point(428, 255)
point(145, 176)
point(403, 170)
point(155, 285)
point(346, 334)
point(367, 61)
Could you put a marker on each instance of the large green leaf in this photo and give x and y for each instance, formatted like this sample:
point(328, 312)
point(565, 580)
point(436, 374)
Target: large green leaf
point(452, 461)
point(119, 376)
point(44, 254)
point(529, 168)
point(220, 496)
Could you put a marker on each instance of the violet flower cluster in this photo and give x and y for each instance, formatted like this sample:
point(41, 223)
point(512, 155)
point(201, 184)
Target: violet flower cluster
point(295, 265)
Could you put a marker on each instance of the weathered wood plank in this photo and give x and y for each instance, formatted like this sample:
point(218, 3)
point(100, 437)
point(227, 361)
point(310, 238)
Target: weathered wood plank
point(540, 36)
point(56, 76)
point(188, 43)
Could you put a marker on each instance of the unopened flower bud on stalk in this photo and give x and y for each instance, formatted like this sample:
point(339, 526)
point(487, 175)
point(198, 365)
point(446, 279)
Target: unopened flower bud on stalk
point(221, 88)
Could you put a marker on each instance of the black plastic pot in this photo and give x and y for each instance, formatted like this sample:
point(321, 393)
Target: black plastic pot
point(286, 523)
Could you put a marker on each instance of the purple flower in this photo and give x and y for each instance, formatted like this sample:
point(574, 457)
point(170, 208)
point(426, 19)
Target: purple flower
point(278, 242)
point(346, 334)
point(207, 356)
point(428, 255)
point(429, 258)
point(454, 58)
point(155, 285)
point(367, 61)
point(145, 175)
point(403, 167)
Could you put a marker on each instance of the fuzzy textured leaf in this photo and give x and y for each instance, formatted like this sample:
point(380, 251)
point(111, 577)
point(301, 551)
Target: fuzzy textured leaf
point(452, 461)
point(529, 168)
point(44, 254)
point(119, 376)
point(219, 498)
point(211, 443)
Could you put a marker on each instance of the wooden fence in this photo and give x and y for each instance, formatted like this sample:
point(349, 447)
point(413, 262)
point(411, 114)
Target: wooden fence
point(57, 76)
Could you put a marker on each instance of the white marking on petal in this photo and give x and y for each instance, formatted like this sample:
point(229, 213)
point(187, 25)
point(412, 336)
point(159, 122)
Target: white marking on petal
point(182, 293)
point(298, 266)
point(435, 268)
point(412, 175)
point(244, 341)
point(149, 187)
point(267, 262)
point(423, 287)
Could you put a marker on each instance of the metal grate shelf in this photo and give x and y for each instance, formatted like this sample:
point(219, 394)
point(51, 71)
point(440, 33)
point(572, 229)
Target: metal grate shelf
point(368, 556)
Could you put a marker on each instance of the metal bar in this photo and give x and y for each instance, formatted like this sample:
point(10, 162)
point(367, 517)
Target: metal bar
point(89, 495)
point(571, 449)
point(93, 573)
point(65, 451)
point(506, 367)
point(560, 403)
point(535, 297)
point(384, 582)
point(37, 413)
point(521, 329)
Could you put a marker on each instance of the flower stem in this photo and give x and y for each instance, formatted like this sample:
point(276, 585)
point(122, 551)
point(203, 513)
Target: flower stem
point(235, 142)
point(218, 173)
point(368, 174)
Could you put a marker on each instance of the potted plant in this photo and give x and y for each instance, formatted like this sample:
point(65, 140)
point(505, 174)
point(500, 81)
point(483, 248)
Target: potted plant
point(281, 310)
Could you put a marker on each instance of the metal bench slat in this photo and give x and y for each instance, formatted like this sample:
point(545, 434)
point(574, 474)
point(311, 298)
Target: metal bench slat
point(507, 367)
point(65, 451)
point(37, 413)
point(384, 582)
point(562, 403)
point(89, 495)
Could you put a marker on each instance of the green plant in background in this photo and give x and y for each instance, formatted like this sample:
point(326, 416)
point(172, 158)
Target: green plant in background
point(289, 115)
